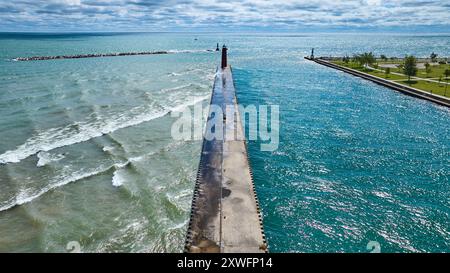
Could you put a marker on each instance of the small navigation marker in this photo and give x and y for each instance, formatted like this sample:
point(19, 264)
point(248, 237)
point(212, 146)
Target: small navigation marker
point(217, 48)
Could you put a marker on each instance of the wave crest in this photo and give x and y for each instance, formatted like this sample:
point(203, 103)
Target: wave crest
point(84, 131)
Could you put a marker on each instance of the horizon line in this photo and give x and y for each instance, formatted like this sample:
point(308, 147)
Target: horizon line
point(225, 32)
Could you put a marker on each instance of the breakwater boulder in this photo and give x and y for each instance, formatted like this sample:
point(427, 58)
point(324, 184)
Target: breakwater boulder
point(79, 56)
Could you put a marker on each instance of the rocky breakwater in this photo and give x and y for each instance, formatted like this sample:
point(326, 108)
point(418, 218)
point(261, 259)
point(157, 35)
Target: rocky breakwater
point(80, 56)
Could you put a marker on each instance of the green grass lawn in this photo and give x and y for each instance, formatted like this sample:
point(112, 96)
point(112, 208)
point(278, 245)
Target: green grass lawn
point(380, 74)
point(436, 71)
point(349, 64)
point(387, 77)
point(430, 87)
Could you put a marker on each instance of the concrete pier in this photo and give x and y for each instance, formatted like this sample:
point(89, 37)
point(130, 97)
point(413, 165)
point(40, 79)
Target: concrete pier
point(225, 214)
point(441, 100)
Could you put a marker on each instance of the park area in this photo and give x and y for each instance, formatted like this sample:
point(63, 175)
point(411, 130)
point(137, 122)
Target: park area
point(427, 75)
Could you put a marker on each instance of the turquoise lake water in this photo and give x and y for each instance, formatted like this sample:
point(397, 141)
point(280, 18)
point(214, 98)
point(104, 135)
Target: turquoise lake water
point(87, 155)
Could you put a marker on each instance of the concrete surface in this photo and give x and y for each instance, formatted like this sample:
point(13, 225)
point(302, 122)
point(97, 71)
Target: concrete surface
point(225, 214)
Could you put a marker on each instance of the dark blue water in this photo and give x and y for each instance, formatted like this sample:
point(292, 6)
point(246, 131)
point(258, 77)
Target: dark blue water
point(357, 162)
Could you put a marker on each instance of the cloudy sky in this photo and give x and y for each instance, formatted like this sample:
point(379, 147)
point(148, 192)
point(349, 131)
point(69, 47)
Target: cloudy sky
point(226, 15)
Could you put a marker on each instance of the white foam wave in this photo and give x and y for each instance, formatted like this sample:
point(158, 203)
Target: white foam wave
point(143, 157)
point(188, 103)
point(179, 225)
point(25, 196)
point(174, 74)
point(164, 90)
point(122, 165)
point(117, 179)
point(183, 87)
point(108, 148)
point(45, 158)
point(66, 136)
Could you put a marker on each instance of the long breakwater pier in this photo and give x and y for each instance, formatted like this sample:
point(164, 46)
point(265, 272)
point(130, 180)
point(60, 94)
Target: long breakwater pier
point(441, 100)
point(83, 56)
point(225, 215)
point(100, 55)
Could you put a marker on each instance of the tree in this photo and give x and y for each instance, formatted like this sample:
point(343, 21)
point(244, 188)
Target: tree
point(383, 57)
point(356, 58)
point(346, 59)
point(365, 59)
point(433, 57)
point(410, 67)
point(387, 71)
point(427, 69)
point(369, 58)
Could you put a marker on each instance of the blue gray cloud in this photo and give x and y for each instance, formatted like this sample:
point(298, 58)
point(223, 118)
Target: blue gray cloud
point(158, 15)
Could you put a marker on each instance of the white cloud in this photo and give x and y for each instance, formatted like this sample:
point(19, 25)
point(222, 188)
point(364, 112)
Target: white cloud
point(289, 14)
point(71, 2)
point(373, 2)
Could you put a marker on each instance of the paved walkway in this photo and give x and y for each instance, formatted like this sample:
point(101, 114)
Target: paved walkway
point(225, 214)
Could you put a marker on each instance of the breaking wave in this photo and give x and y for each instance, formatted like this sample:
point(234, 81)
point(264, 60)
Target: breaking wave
point(45, 158)
point(84, 131)
point(25, 196)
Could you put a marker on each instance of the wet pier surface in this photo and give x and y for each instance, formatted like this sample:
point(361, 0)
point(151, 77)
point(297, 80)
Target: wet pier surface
point(225, 213)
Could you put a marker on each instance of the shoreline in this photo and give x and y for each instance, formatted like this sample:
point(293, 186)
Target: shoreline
point(441, 100)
